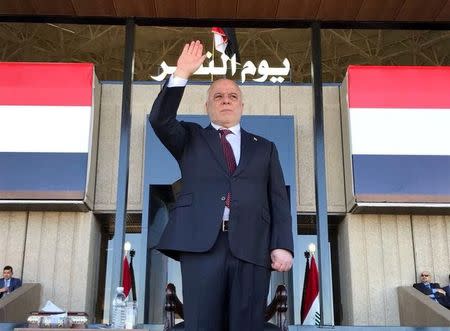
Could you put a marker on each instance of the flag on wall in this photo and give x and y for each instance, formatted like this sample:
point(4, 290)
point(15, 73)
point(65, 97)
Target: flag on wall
point(225, 42)
point(46, 112)
point(310, 303)
point(126, 276)
point(399, 119)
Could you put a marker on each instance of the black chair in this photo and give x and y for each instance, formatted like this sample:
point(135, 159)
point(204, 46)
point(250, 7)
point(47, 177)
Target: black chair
point(277, 308)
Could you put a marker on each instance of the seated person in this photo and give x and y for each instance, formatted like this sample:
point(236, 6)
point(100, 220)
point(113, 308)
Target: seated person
point(433, 290)
point(8, 283)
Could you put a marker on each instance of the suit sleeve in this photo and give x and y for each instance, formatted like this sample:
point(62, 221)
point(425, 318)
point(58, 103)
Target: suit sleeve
point(169, 130)
point(281, 235)
point(422, 288)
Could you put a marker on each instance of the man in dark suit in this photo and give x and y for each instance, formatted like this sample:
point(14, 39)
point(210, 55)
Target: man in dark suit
point(231, 222)
point(8, 283)
point(433, 290)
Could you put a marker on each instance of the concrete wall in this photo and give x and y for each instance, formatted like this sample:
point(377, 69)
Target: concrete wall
point(258, 100)
point(108, 150)
point(378, 253)
point(59, 250)
point(12, 239)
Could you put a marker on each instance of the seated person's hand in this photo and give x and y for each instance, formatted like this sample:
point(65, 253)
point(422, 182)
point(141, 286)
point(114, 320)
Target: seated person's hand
point(281, 260)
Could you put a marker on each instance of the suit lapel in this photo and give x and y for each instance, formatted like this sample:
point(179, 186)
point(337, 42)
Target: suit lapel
point(212, 138)
point(247, 150)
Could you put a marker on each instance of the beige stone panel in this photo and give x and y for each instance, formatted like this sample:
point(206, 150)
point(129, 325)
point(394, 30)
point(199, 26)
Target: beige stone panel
point(423, 246)
point(261, 100)
point(346, 146)
point(84, 263)
point(377, 255)
point(375, 268)
point(47, 258)
point(440, 249)
point(143, 96)
point(447, 231)
point(390, 273)
point(93, 265)
point(12, 237)
point(345, 275)
point(61, 256)
point(108, 149)
point(142, 100)
point(80, 262)
point(64, 245)
point(333, 150)
point(433, 229)
point(92, 161)
point(358, 270)
point(297, 101)
point(405, 250)
point(194, 98)
point(32, 259)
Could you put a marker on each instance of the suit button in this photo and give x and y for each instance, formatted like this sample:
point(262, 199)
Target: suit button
point(222, 198)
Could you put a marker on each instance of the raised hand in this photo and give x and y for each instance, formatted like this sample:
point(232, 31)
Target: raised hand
point(190, 60)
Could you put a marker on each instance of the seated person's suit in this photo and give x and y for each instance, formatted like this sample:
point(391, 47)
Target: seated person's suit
point(14, 284)
point(444, 300)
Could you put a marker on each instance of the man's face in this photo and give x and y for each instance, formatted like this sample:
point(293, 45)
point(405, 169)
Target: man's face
point(425, 277)
point(224, 105)
point(7, 274)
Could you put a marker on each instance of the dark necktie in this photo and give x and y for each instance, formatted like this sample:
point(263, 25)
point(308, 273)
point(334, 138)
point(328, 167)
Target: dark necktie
point(229, 158)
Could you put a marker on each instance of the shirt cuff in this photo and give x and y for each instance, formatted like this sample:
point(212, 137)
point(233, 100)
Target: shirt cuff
point(175, 81)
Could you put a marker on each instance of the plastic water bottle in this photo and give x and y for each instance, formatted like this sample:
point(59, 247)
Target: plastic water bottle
point(130, 320)
point(118, 314)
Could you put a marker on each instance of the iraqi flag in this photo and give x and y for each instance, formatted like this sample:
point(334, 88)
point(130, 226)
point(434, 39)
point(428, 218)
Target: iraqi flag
point(126, 276)
point(399, 119)
point(225, 42)
point(310, 311)
point(45, 130)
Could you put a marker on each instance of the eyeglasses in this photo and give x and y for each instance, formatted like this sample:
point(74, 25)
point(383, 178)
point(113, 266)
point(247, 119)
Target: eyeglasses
point(424, 275)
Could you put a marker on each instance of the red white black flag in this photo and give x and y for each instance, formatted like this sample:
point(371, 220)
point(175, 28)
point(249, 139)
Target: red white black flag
point(225, 42)
point(310, 311)
point(126, 276)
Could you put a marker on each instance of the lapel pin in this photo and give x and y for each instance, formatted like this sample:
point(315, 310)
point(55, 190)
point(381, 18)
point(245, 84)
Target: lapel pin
point(255, 139)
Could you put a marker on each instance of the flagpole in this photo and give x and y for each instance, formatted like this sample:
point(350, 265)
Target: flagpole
point(213, 51)
point(305, 284)
point(133, 284)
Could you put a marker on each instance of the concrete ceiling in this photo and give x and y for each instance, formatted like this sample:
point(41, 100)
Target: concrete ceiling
point(340, 10)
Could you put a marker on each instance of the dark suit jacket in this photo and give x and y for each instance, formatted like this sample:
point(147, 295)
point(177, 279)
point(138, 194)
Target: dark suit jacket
point(441, 298)
point(13, 284)
point(260, 219)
